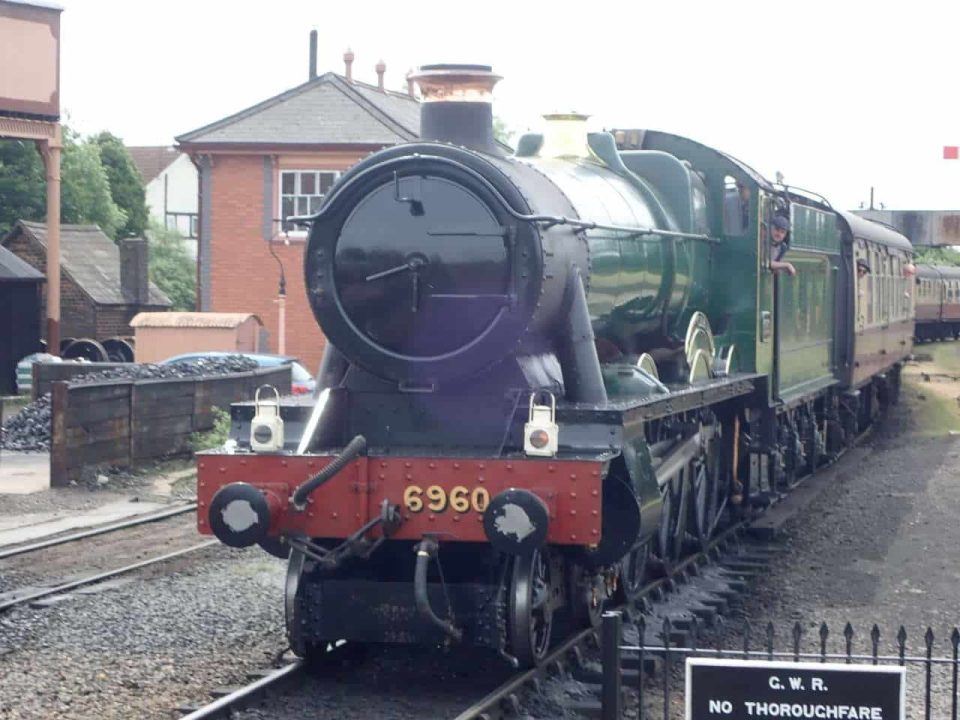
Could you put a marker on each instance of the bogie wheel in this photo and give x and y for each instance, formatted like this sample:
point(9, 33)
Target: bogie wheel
point(633, 573)
point(530, 608)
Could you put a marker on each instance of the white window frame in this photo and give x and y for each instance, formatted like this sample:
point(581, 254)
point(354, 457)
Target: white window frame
point(302, 203)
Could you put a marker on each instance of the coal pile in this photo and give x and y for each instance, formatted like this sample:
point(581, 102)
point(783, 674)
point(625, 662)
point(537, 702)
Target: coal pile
point(30, 428)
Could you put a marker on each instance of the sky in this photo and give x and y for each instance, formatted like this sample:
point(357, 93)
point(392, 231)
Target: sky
point(838, 96)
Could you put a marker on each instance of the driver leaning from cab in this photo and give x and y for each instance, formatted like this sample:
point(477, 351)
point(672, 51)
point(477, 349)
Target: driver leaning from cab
point(779, 228)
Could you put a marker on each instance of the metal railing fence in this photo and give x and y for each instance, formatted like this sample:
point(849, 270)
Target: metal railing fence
point(931, 693)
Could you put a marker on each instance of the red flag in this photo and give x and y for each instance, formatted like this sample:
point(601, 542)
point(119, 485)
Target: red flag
point(951, 152)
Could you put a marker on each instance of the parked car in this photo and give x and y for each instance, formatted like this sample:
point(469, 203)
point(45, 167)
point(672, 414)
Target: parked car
point(301, 381)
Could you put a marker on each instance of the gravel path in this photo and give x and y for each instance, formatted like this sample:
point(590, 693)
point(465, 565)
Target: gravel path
point(143, 649)
point(877, 546)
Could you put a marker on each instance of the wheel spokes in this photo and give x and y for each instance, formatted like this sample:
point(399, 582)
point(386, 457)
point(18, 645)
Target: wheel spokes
point(531, 615)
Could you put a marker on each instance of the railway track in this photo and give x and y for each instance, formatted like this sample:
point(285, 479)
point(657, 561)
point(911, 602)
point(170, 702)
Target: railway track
point(38, 591)
point(15, 598)
point(102, 530)
point(503, 700)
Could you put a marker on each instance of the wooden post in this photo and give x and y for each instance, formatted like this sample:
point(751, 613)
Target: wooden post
point(50, 149)
point(59, 401)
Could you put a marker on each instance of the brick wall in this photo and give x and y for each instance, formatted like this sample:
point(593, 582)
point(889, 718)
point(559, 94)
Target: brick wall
point(243, 276)
point(114, 320)
point(77, 316)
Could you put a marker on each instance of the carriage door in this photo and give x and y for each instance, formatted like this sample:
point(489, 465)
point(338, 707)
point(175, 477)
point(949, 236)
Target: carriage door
point(767, 338)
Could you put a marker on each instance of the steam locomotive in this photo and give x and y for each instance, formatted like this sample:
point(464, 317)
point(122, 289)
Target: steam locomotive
point(549, 374)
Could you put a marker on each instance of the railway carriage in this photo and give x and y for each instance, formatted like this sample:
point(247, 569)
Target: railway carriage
point(546, 375)
point(937, 303)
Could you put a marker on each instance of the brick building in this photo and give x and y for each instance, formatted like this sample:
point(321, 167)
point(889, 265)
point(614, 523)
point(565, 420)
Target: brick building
point(103, 285)
point(274, 160)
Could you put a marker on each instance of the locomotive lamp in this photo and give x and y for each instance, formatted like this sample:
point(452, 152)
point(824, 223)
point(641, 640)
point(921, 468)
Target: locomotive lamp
point(266, 430)
point(541, 432)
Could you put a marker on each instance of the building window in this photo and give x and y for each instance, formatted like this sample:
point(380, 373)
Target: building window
point(302, 191)
point(184, 223)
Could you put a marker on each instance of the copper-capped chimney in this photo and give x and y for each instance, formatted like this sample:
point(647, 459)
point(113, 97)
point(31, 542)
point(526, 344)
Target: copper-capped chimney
point(457, 105)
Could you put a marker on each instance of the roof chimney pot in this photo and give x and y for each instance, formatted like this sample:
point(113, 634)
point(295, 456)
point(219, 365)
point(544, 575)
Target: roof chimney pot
point(381, 69)
point(410, 83)
point(313, 54)
point(134, 271)
point(348, 58)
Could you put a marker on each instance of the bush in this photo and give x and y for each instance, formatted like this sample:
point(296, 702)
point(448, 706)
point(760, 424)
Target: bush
point(216, 436)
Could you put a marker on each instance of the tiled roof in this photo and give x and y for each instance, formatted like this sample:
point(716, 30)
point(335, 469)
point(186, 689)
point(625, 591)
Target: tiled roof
point(92, 260)
point(13, 268)
point(191, 319)
point(151, 160)
point(325, 111)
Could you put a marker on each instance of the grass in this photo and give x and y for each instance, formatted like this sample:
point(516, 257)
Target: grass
point(184, 486)
point(933, 414)
point(946, 355)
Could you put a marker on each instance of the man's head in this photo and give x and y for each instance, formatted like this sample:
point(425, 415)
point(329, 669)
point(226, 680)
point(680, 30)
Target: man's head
point(743, 191)
point(779, 227)
point(862, 268)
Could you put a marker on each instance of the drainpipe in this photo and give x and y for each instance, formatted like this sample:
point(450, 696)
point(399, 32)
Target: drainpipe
point(281, 307)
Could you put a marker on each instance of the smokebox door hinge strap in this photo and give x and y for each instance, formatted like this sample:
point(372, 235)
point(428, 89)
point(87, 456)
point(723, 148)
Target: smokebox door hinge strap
point(415, 199)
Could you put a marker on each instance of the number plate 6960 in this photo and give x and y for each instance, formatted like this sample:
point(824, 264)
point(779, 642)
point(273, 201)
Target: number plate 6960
point(436, 499)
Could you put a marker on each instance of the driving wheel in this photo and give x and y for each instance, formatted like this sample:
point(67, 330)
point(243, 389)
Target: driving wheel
point(530, 608)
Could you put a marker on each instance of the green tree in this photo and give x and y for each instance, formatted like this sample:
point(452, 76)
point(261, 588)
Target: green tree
point(85, 190)
point(22, 184)
point(935, 255)
point(501, 133)
point(172, 269)
point(126, 184)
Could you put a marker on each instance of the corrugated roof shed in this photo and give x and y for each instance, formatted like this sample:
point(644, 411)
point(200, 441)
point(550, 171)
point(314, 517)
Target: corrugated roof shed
point(191, 320)
point(13, 268)
point(92, 260)
point(327, 110)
